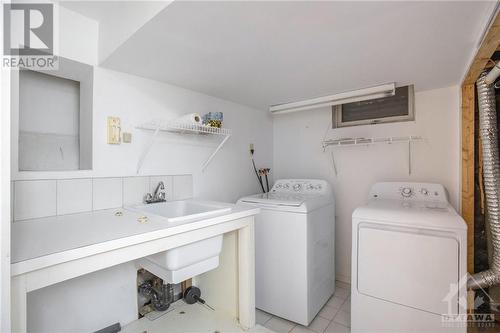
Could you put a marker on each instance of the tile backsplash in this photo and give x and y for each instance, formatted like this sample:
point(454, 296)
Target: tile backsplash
point(42, 198)
point(37, 198)
point(74, 196)
point(107, 193)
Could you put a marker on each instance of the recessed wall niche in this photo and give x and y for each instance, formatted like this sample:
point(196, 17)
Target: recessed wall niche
point(55, 118)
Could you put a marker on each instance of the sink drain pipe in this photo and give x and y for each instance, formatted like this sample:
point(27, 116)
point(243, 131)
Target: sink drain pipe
point(488, 132)
point(160, 300)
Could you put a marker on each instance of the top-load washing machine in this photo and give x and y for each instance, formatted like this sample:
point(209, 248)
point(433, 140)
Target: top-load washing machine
point(408, 261)
point(294, 248)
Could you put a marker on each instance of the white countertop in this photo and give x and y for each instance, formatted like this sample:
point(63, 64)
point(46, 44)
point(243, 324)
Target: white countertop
point(41, 242)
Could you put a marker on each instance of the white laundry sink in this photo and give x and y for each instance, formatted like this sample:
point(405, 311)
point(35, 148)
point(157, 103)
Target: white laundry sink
point(184, 262)
point(183, 210)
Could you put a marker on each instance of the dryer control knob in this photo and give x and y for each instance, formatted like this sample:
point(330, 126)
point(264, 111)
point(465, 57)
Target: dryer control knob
point(297, 187)
point(406, 192)
point(310, 187)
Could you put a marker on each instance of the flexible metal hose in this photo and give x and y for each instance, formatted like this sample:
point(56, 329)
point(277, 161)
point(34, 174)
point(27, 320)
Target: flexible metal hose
point(488, 132)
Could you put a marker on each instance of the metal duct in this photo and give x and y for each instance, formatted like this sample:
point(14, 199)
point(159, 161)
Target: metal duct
point(488, 132)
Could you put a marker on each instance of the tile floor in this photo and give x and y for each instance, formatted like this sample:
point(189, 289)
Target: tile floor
point(335, 317)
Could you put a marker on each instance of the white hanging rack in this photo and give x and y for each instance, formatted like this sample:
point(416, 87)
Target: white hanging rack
point(345, 142)
point(182, 128)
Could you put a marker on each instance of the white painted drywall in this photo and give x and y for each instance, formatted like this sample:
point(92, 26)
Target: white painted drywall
point(94, 301)
point(116, 23)
point(76, 35)
point(298, 154)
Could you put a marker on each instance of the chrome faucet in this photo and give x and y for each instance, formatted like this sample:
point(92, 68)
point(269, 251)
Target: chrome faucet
point(157, 196)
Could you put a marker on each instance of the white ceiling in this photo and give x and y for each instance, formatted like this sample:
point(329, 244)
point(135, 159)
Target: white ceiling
point(264, 53)
point(118, 20)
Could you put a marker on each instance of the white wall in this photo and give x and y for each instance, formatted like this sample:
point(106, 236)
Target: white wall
point(136, 100)
point(76, 304)
point(298, 154)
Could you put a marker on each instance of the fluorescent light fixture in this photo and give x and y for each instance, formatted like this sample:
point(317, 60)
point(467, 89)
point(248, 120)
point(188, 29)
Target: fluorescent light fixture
point(359, 95)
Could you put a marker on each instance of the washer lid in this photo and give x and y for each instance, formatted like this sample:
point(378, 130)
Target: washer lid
point(280, 199)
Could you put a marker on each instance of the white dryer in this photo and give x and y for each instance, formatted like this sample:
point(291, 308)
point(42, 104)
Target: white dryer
point(408, 261)
point(294, 249)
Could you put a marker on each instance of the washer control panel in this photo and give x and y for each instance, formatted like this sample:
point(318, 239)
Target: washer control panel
point(301, 186)
point(409, 191)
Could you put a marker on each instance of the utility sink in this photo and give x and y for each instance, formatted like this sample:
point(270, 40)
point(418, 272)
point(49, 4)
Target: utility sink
point(184, 262)
point(183, 210)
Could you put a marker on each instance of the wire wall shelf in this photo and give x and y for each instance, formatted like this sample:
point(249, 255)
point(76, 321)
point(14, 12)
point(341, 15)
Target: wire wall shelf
point(182, 128)
point(349, 142)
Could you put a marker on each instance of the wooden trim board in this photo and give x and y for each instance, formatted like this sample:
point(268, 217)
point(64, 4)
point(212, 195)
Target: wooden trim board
point(489, 45)
point(467, 206)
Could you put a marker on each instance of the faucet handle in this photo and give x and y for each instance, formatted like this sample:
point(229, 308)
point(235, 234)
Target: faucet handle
point(161, 195)
point(148, 198)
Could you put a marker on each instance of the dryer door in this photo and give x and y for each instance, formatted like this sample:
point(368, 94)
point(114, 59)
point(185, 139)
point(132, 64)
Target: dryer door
point(411, 267)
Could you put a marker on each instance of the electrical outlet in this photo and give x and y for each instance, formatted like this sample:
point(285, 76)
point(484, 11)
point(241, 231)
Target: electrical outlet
point(114, 130)
point(127, 137)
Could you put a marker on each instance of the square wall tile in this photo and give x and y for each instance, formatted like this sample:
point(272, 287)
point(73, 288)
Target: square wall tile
point(107, 193)
point(167, 181)
point(74, 196)
point(134, 190)
point(183, 187)
point(34, 199)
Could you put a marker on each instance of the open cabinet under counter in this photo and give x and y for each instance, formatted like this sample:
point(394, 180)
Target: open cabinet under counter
point(74, 245)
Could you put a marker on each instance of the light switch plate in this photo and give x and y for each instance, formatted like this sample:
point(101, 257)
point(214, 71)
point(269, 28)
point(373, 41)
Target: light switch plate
point(114, 130)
